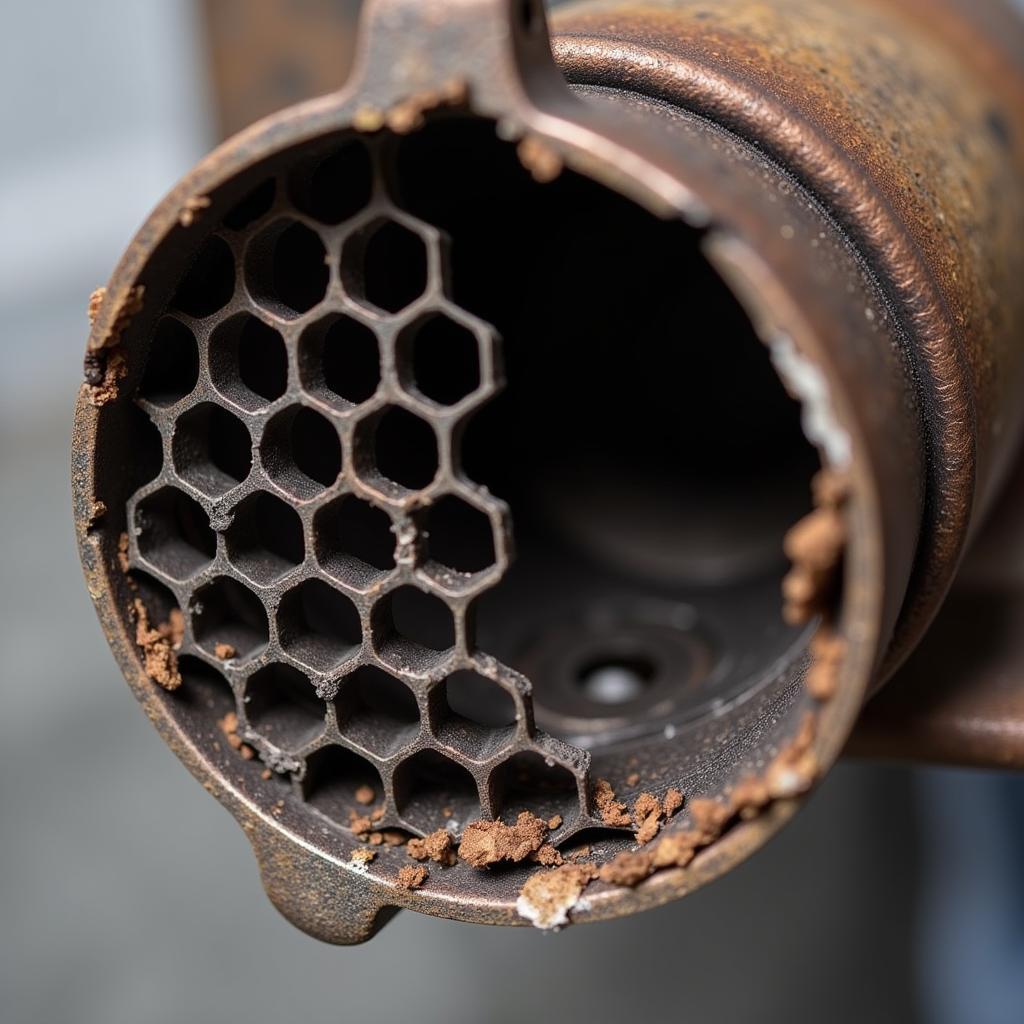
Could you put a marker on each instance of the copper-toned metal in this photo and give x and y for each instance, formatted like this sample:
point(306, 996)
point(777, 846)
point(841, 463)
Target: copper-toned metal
point(261, 397)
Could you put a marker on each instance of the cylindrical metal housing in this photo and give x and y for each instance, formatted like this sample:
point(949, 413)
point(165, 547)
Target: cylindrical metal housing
point(743, 290)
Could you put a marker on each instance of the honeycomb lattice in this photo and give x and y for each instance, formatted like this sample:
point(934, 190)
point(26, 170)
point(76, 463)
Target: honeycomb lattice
point(311, 516)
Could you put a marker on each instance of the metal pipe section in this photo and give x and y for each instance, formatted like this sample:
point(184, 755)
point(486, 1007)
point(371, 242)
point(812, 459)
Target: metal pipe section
point(504, 480)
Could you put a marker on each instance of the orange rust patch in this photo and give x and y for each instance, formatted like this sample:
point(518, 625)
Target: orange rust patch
point(547, 897)
point(627, 869)
point(411, 877)
point(491, 842)
point(225, 652)
point(229, 726)
point(537, 156)
point(647, 813)
point(193, 206)
point(439, 846)
point(613, 812)
point(548, 856)
point(159, 645)
point(673, 802)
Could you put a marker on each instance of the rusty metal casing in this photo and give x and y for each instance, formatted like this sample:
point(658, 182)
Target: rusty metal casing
point(842, 182)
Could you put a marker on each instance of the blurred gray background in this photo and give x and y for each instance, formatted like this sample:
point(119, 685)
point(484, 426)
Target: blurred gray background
point(126, 893)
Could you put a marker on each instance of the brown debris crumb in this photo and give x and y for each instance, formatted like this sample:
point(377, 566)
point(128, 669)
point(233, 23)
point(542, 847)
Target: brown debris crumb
point(579, 854)
point(547, 855)
point(229, 726)
point(446, 812)
point(193, 205)
point(439, 846)
point(537, 156)
point(627, 869)
point(375, 838)
point(122, 553)
point(673, 802)
point(709, 818)
point(613, 812)
point(675, 850)
point(411, 877)
point(794, 770)
point(555, 821)
point(114, 370)
point(266, 775)
point(547, 897)
point(104, 370)
point(490, 842)
point(362, 855)
point(407, 116)
point(159, 645)
point(749, 795)
point(647, 812)
point(392, 837)
point(815, 546)
point(360, 824)
point(364, 795)
point(633, 778)
point(377, 814)
point(225, 652)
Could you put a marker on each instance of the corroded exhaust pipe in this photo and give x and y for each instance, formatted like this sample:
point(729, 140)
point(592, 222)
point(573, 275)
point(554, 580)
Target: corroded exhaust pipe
point(729, 328)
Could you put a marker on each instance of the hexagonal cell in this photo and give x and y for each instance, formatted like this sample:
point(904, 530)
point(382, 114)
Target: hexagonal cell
point(146, 457)
point(226, 612)
point(211, 449)
point(172, 367)
point(318, 625)
point(251, 207)
point(333, 775)
point(301, 452)
point(411, 627)
point(210, 282)
point(248, 362)
point(473, 714)
point(282, 706)
point(339, 361)
point(398, 446)
point(286, 268)
point(376, 711)
point(174, 533)
point(459, 536)
point(265, 538)
point(428, 784)
point(204, 691)
point(440, 359)
point(333, 187)
point(385, 265)
point(354, 541)
point(526, 782)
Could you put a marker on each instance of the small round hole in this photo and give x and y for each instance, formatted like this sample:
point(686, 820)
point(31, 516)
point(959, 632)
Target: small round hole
point(616, 680)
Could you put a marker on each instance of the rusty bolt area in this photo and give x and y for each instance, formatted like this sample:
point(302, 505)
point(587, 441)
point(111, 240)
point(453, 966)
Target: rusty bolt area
point(722, 334)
